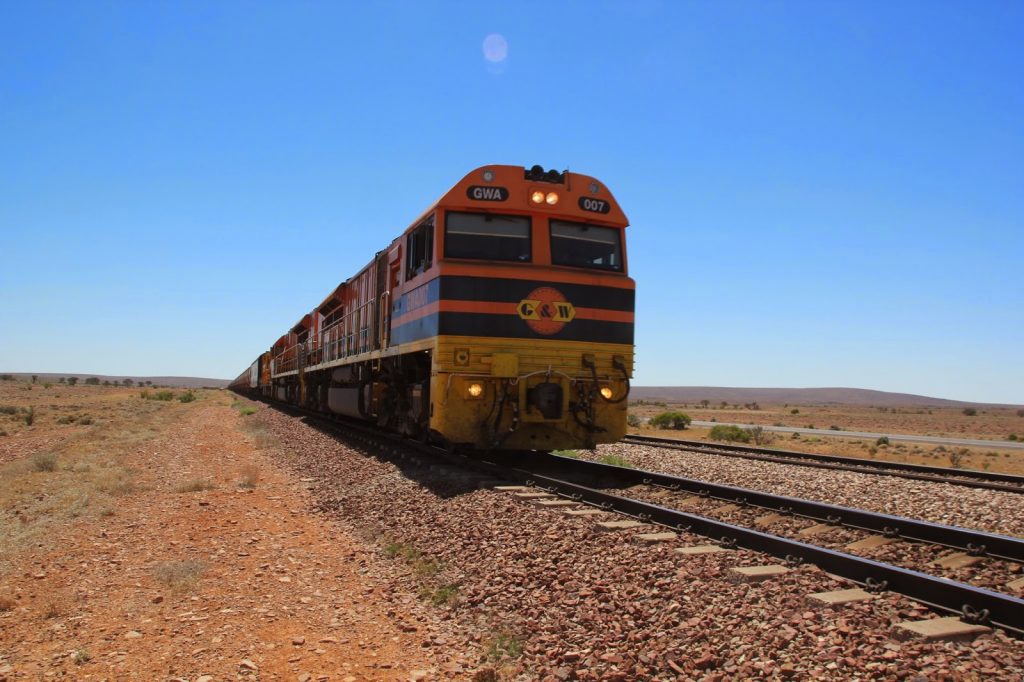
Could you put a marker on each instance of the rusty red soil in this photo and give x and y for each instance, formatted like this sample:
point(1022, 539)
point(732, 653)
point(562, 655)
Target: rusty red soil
point(230, 582)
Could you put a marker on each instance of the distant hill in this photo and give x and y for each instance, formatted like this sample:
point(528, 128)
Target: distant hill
point(174, 382)
point(791, 396)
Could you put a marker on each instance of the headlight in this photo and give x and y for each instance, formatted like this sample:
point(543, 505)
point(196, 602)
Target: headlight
point(475, 390)
point(537, 197)
point(551, 198)
point(606, 392)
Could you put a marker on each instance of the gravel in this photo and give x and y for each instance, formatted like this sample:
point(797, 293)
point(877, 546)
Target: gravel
point(586, 605)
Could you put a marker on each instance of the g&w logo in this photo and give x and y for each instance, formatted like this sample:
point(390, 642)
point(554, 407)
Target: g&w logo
point(546, 311)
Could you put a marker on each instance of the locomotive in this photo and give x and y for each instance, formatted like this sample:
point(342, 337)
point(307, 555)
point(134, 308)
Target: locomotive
point(502, 318)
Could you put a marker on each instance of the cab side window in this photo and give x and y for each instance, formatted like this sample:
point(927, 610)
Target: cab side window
point(419, 249)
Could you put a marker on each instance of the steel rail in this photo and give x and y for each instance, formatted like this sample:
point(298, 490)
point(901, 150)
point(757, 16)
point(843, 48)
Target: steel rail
point(922, 472)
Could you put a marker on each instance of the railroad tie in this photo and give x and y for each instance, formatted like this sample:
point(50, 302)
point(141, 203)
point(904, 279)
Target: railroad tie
point(839, 597)
point(768, 519)
point(756, 574)
point(950, 628)
point(655, 538)
point(958, 560)
point(870, 542)
point(817, 529)
point(624, 524)
point(700, 549)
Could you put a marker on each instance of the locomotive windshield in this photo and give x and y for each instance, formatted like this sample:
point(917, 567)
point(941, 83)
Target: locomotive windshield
point(487, 236)
point(585, 246)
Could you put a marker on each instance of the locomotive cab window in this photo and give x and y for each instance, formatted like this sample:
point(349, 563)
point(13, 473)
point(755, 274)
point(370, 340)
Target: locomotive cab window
point(487, 236)
point(586, 246)
point(419, 249)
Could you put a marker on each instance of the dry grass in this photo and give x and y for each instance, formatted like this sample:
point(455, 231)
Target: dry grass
point(196, 485)
point(946, 422)
point(73, 473)
point(44, 461)
point(248, 476)
point(179, 575)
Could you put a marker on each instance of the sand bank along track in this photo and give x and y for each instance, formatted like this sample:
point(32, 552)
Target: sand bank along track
point(593, 605)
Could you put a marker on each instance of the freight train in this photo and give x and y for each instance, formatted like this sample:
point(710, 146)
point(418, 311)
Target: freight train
point(502, 318)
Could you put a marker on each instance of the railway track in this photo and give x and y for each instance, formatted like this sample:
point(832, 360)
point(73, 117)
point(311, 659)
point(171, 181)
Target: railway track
point(968, 601)
point(965, 477)
point(591, 483)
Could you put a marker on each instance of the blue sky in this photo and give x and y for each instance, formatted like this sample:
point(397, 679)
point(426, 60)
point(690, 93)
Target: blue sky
point(821, 194)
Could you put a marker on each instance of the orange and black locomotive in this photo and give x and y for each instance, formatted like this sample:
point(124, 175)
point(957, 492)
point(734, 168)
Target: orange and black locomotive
point(501, 318)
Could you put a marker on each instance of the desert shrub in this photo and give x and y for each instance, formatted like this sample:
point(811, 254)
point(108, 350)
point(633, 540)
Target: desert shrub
point(92, 381)
point(44, 461)
point(187, 397)
point(957, 457)
point(632, 420)
point(85, 421)
point(194, 486)
point(882, 440)
point(8, 409)
point(6, 377)
point(1020, 413)
point(164, 395)
point(872, 451)
point(115, 483)
point(503, 645)
point(760, 436)
point(794, 411)
point(970, 411)
point(249, 476)
point(396, 549)
point(247, 410)
point(834, 428)
point(730, 433)
point(442, 595)
point(144, 394)
point(81, 656)
point(30, 416)
point(179, 575)
point(66, 419)
point(72, 381)
point(671, 420)
point(1012, 436)
point(616, 460)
